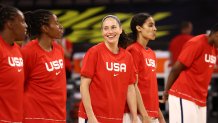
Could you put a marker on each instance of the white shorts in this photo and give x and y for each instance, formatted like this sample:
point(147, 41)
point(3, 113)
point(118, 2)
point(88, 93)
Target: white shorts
point(82, 120)
point(127, 119)
point(184, 111)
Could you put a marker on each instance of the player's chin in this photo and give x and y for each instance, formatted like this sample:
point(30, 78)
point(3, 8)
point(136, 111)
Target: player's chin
point(59, 36)
point(152, 38)
point(21, 37)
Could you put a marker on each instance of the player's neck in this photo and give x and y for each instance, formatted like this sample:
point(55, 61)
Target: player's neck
point(7, 38)
point(45, 43)
point(143, 42)
point(112, 47)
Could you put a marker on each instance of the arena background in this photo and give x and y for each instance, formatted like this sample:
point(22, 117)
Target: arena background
point(81, 20)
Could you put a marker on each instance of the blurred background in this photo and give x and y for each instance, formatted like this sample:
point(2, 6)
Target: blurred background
point(81, 20)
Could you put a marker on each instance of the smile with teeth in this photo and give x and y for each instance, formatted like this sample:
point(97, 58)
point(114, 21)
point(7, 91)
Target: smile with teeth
point(111, 36)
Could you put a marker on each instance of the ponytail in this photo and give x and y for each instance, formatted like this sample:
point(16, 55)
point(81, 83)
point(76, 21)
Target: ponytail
point(123, 40)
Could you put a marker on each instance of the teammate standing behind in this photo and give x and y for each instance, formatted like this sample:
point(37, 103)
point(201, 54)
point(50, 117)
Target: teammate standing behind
point(12, 28)
point(45, 79)
point(143, 29)
point(107, 78)
point(177, 42)
point(189, 78)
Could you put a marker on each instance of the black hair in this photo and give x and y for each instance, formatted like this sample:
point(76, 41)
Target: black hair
point(7, 13)
point(35, 20)
point(123, 39)
point(214, 29)
point(137, 20)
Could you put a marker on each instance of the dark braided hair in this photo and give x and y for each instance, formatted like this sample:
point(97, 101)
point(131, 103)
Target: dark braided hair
point(7, 13)
point(35, 20)
point(137, 20)
point(123, 39)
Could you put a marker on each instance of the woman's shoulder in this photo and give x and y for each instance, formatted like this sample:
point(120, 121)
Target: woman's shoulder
point(30, 46)
point(126, 52)
point(96, 48)
point(30, 43)
point(133, 47)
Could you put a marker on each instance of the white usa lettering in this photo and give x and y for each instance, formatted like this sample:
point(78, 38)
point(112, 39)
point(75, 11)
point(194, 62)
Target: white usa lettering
point(150, 62)
point(116, 67)
point(210, 58)
point(15, 61)
point(54, 65)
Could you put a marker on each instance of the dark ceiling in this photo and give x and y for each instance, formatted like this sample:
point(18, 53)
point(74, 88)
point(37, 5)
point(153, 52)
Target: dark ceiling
point(57, 3)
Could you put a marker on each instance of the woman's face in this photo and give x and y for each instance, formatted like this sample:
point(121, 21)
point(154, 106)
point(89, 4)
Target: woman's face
point(19, 27)
point(111, 30)
point(148, 29)
point(55, 30)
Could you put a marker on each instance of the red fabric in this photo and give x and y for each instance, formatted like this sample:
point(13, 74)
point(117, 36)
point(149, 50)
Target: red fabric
point(108, 88)
point(11, 83)
point(145, 63)
point(68, 61)
point(200, 58)
point(45, 84)
point(176, 45)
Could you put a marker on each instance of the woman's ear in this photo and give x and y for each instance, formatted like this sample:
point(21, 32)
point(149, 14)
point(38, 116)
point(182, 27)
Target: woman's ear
point(138, 28)
point(44, 29)
point(9, 25)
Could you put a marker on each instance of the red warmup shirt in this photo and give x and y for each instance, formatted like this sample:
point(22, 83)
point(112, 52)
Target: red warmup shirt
point(45, 84)
point(176, 45)
point(199, 57)
point(11, 83)
point(111, 74)
point(69, 47)
point(145, 64)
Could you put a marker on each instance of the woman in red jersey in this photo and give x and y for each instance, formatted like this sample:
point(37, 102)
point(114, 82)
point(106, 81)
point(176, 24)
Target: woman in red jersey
point(107, 78)
point(179, 40)
point(143, 29)
point(190, 77)
point(12, 28)
point(45, 79)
